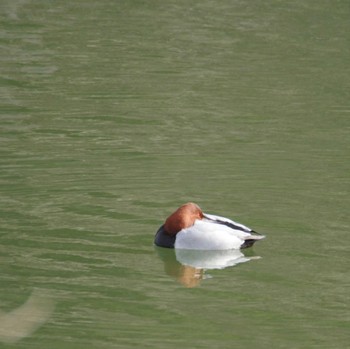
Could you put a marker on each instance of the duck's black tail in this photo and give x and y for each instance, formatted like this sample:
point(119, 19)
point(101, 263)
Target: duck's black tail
point(252, 238)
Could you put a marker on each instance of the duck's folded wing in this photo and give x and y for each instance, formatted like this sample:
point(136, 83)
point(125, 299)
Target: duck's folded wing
point(228, 222)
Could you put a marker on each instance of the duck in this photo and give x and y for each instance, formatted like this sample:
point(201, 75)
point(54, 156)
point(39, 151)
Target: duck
point(190, 228)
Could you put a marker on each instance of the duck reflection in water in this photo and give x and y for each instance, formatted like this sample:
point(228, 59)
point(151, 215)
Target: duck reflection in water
point(189, 267)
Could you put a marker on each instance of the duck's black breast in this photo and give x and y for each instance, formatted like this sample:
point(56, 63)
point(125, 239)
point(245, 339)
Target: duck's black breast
point(164, 240)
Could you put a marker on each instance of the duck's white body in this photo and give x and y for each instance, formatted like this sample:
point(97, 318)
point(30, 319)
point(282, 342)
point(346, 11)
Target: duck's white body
point(207, 234)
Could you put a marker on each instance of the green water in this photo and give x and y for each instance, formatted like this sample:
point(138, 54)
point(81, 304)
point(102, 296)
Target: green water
point(113, 113)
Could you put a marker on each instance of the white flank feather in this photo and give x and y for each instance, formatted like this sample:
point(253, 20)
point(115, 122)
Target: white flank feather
point(206, 235)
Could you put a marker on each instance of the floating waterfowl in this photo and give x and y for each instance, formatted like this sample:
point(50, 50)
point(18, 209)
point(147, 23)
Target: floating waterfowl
point(189, 228)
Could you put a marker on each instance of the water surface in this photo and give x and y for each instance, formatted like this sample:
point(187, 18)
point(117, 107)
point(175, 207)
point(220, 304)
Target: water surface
point(115, 113)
